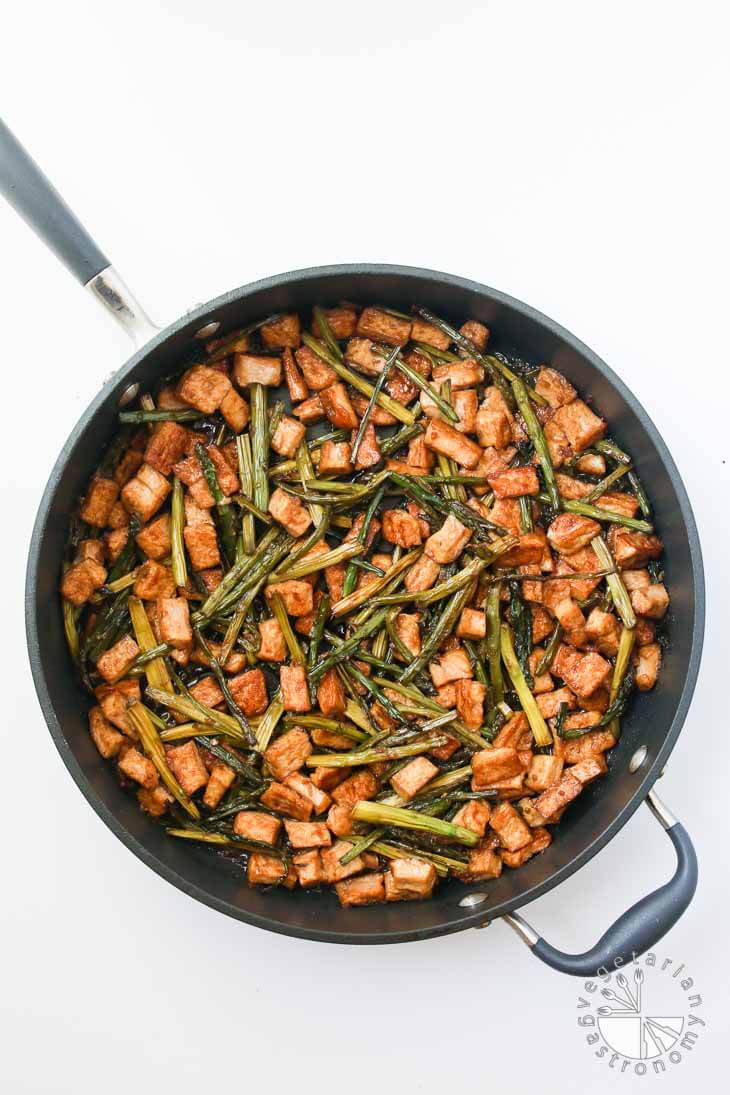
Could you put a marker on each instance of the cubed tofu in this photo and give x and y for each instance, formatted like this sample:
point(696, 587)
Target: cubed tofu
point(338, 407)
point(106, 739)
point(173, 618)
point(289, 512)
point(256, 825)
point(317, 373)
point(557, 443)
point(554, 388)
point(462, 374)
point(235, 410)
point(472, 624)
point(273, 647)
point(128, 465)
point(632, 549)
point(267, 870)
point(452, 665)
point(470, 702)
point(335, 458)
point(341, 322)
point(367, 889)
point(416, 877)
point(368, 453)
point(541, 839)
point(361, 353)
point(249, 691)
point(115, 700)
point(443, 438)
point(207, 691)
point(166, 446)
point(153, 581)
point(569, 532)
point(115, 662)
point(400, 527)
point(557, 796)
point(557, 597)
point(288, 436)
point(515, 482)
point(308, 834)
point(506, 513)
point(510, 828)
point(473, 815)
point(446, 545)
point(144, 494)
point(585, 771)
point(477, 334)
point(603, 629)
point(331, 697)
point(361, 786)
point(494, 421)
point(203, 387)
point(530, 549)
point(489, 766)
point(408, 631)
point(647, 661)
point(422, 574)
point(136, 766)
point(288, 753)
point(285, 800)
point(544, 770)
point(333, 870)
point(202, 546)
point(294, 688)
point(81, 580)
point(652, 601)
point(617, 501)
point(308, 866)
point(99, 502)
point(587, 746)
point(282, 333)
point(570, 488)
point(484, 863)
point(154, 801)
point(220, 780)
point(383, 327)
point(296, 594)
point(256, 369)
point(583, 673)
point(419, 455)
point(303, 786)
point(414, 777)
point(581, 426)
point(186, 764)
point(154, 539)
point(309, 410)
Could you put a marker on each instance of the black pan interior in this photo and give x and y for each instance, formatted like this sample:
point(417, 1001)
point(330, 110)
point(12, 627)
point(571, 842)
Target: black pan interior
point(654, 719)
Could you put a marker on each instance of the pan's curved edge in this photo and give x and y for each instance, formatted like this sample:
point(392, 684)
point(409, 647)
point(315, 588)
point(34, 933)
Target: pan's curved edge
point(482, 914)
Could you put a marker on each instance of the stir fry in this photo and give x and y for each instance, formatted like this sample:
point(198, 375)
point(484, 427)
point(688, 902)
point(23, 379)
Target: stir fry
point(361, 602)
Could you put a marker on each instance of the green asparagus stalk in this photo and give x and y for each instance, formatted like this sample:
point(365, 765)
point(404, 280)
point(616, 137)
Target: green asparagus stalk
point(540, 445)
point(391, 405)
point(540, 729)
point(139, 716)
point(615, 583)
point(259, 431)
point(375, 813)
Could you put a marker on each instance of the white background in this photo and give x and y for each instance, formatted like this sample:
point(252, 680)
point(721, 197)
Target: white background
point(568, 153)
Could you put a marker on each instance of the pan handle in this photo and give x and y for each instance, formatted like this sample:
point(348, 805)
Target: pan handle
point(641, 926)
point(32, 196)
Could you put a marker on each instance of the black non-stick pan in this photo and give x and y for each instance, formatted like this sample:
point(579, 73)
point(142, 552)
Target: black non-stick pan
point(649, 730)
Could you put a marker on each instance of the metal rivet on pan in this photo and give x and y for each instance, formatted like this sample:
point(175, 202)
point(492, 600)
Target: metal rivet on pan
point(129, 393)
point(472, 899)
point(208, 330)
point(638, 758)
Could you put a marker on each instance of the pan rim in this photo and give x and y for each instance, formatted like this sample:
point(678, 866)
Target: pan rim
point(480, 915)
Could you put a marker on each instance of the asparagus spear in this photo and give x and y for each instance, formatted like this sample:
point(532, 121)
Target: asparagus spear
point(539, 727)
point(375, 813)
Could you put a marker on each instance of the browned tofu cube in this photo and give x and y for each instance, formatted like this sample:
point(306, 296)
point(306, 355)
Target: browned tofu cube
point(544, 770)
point(308, 866)
point(580, 721)
point(81, 580)
point(207, 691)
point(338, 407)
point(494, 421)
point(466, 404)
point(309, 411)
point(294, 688)
point(419, 455)
point(288, 436)
point(447, 544)
point(289, 512)
point(570, 532)
point(368, 453)
point(632, 549)
point(422, 574)
point(472, 624)
point(443, 438)
point(473, 815)
point(106, 739)
point(203, 387)
point(532, 816)
point(320, 800)
point(411, 779)
point(288, 753)
point(549, 703)
point(368, 889)
point(154, 539)
point(334, 871)
point(476, 332)
point(557, 443)
point(235, 411)
point(335, 458)
point(115, 662)
point(603, 629)
point(298, 390)
point(255, 369)
point(317, 373)
point(416, 877)
point(557, 796)
point(282, 333)
point(341, 321)
point(587, 746)
point(383, 327)
point(652, 601)
point(136, 766)
point(186, 764)
point(339, 819)
point(154, 801)
point(484, 863)
point(407, 630)
point(308, 834)
point(296, 594)
point(463, 374)
point(285, 800)
point(99, 502)
point(91, 549)
point(128, 465)
point(249, 691)
point(583, 673)
point(220, 779)
point(360, 352)
point(553, 387)
point(581, 426)
point(489, 766)
point(173, 617)
point(266, 870)
point(514, 482)
point(541, 838)
point(362, 785)
point(400, 527)
point(273, 647)
point(144, 494)
point(509, 827)
point(115, 700)
point(256, 825)
point(166, 446)
point(154, 581)
point(647, 661)
point(470, 702)
point(617, 501)
point(452, 665)
point(331, 696)
point(585, 771)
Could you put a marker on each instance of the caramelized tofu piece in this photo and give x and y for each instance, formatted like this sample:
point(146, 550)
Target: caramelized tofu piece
point(81, 580)
point(166, 446)
point(581, 426)
point(652, 601)
point(414, 777)
point(308, 866)
point(99, 502)
point(331, 696)
point(402, 528)
point(484, 863)
point(341, 322)
point(204, 388)
point(473, 815)
point(115, 662)
point(447, 544)
point(282, 333)
point(419, 455)
point(339, 819)
point(308, 834)
point(472, 624)
point(317, 373)
point(128, 465)
point(570, 488)
point(368, 453)
point(544, 770)
point(256, 369)
point(154, 539)
point(362, 785)
point(144, 494)
point(115, 700)
point(558, 796)
point(285, 800)
point(383, 327)
point(288, 436)
point(298, 390)
point(506, 512)
point(470, 702)
point(589, 769)
point(477, 334)
point(207, 691)
point(296, 594)
point(422, 575)
point(106, 739)
point(583, 673)
point(256, 825)
point(154, 801)
point(515, 482)
point(309, 410)
point(266, 870)
point(320, 800)
point(553, 387)
point(411, 877)
point(541, 838)
point(421, 331)
point(294, 688)
point(368, 889)
point(202, 546)
point(632, 549)
point(338, 407)
point(494, 421)
point(333, 869)
point(603, 629)
point(335, 458)
point(273, 646)
point(91, 549)
point(587, 746)
point(360, 353)
point(288, 753)
point(154, 581)
point(452, 665)
point(510, 828)
point(136, 766)
point(647, 661)
point(569, 532)
point(557, 443)
point(529, 550)
point(173, 618)
point(186, 764)
point(220, 779)
point(443, 438)
point(489, 766)
point(616, 501)
point(549, 703)
point(408, 631)
point(289, 512)
point(462, 374)
point(249, 691)
point(235, 411)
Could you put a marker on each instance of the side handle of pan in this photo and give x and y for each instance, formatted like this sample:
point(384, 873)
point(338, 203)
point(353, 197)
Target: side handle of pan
point(39, 204)
point(641, 926)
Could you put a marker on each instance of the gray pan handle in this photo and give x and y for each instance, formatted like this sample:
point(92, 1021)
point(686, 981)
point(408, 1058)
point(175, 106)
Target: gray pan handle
point(39, 204)
point(641, 926)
